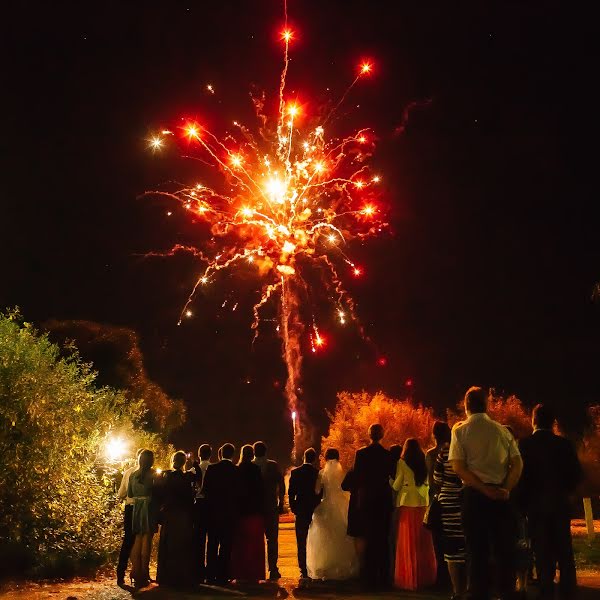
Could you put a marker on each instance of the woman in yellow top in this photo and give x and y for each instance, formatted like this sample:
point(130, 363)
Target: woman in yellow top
point(415, 566)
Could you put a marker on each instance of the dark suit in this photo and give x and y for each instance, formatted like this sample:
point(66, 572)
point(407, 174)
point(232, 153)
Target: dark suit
point(373, 467)
point(303, 501)
point(221, 491)
point(551, 472)
point(273, 506)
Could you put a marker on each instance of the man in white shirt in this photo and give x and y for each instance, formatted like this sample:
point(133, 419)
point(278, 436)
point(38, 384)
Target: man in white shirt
point(128, 536)
point(485, 455)
point(201, 514)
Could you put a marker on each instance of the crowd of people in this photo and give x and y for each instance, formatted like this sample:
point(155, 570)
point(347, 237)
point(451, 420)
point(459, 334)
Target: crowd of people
point(474, 512)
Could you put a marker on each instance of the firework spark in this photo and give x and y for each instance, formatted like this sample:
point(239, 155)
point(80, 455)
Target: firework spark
point(290, 202)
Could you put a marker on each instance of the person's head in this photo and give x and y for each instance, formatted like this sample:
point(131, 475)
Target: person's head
point(542, 417)
point(376, 432)
point(414, 457)
point(145, 462)
point(310, 455)
point(178, 459)
point(396, 452)
point(476, 400)
point(137, 454)
point(441, 432)
point(246, 454)
point(260, 449)
point(227, 451)
point(332, 454)
point(204, 452)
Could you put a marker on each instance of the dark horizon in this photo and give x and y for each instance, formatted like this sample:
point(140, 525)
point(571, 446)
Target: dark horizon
point(486, 276)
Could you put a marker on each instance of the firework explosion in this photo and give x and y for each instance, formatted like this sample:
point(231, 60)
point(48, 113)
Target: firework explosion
point(294, 200)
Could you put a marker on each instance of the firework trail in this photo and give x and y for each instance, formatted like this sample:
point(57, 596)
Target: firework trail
point(290, 201)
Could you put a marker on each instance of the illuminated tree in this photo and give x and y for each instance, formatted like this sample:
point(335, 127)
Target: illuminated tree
point(355, 411)
point(58, 455)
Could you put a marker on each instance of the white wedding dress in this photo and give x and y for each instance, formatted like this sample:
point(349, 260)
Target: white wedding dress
point(330, 552)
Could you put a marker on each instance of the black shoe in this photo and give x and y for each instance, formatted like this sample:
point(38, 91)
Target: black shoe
point(121, 580)
point(274, 575)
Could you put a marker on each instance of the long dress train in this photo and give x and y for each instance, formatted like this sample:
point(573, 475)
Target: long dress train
point(330, 552)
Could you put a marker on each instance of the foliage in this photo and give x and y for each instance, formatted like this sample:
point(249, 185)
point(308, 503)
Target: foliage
point(354, 412)
point(116, 355)
point(506, 410)
point(57, 500)
point(589, 453)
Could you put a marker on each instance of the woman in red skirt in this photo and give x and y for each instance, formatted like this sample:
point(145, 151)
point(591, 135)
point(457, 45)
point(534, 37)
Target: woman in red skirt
point(415, 557)
point(248, 553)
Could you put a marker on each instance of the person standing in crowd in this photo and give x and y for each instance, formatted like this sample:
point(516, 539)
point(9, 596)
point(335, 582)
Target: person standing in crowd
point(303, 501)
point(220, 490)
point(484, 454)
point(441, 435)
point(355, 529)
point(200, 526)
point(248, 555)
point(373, 468)
point(415, 557)
point(330, 551)
point(395, 454)
point(128, 536)
point(551, 473)
point(274, 486)
point(449, 495)
point(144, 520)
point(175, 490)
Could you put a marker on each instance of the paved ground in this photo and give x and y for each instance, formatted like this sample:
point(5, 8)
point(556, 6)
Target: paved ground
point(106, 589)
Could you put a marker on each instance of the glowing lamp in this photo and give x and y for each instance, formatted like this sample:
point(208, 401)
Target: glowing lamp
point(116, 448)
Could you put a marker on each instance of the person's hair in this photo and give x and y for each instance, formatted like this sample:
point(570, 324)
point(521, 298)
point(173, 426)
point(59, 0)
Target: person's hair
point(376, 432)
point(310, 455)
point(246, 454)
point(227, 451)
point(476, 400)
point(138, 452)
point(260, 449)
point(414, 457)
point(204, 452)
point(441, 432)
point(543, 417)
point(332, 454)
point(145, 462)
point(178, 459)
point(396, 452)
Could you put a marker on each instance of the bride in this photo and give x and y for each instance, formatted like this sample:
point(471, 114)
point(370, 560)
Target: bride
point(330, 552)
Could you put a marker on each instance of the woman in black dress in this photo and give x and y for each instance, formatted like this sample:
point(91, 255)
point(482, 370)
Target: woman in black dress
point(176, 492)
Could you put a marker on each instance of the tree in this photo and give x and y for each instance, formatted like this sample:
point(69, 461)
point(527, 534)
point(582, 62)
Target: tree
point(57, 501)
point(355, 411)
point(116, 355)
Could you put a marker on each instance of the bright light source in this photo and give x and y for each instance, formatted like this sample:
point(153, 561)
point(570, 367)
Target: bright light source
point(319, 167)
point(204, 279)
point(287, 35)
point(236, 160)
point(116, 448)
point(357, 271)
point(210, 88)
point(293, 110)
point(156, 143)
point(359, 184)
point(332, 238)
point(192, 131)
point(365, 68)
point(188, 313)
point(362, 139)
point(368, 210)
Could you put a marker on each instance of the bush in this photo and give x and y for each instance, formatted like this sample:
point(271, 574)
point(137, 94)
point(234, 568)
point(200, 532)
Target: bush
point(354, 412)
point(57, 500)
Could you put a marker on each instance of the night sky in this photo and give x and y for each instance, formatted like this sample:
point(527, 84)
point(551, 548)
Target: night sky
point(485, 277)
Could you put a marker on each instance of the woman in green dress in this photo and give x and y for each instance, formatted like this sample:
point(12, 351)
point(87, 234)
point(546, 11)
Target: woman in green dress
point(144, 521)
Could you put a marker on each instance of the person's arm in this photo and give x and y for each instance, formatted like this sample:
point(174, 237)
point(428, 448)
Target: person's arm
point(397, 483)
point(348, 483)
point(319, 483)
point(281, 489)
point(471, 480)
point(122, 493)
point(292, 493)
point(515, 468)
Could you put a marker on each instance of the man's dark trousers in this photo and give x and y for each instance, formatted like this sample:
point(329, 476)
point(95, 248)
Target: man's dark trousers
point(490, 526)
point(218, 559)
point(376, 567)
point(128, 539)
point(551, 541)
point(302, 525)
point(272, 535)
point(200, 535)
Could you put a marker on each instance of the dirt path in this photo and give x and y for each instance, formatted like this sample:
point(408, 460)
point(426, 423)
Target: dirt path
point(106, 589)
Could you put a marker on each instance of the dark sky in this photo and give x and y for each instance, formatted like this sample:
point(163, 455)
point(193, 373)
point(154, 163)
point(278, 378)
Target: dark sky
point(486, 275)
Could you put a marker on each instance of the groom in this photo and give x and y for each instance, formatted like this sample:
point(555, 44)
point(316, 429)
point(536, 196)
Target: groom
point(303, 502)
point(373, 467)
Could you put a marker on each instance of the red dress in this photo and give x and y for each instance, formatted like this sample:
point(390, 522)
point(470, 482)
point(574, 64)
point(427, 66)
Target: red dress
point(416, 566)
point(248, 552)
